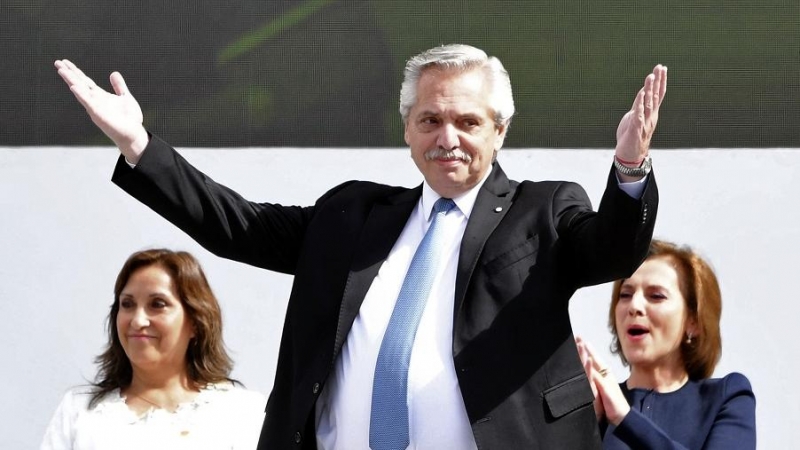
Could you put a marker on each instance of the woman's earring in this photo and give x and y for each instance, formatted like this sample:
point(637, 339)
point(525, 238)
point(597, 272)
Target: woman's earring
point(689, 338)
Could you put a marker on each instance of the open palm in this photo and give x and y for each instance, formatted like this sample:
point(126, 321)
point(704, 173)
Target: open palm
point(117, 114)
point(636, 128)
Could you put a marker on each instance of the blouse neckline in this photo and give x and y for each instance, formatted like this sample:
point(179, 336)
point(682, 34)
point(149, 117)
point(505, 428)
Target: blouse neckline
point(115, 403)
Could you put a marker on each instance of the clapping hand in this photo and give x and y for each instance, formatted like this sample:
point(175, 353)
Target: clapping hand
point(609, 401)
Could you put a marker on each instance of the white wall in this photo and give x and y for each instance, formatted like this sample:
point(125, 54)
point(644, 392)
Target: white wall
point(65, 231)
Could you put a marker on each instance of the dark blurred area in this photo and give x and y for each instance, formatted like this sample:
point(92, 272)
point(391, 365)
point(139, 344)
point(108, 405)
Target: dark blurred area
point(326, 73)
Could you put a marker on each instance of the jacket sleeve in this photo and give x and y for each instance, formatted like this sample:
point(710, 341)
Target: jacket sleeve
point(261, 234)
point(607, 244)
point(734, 425)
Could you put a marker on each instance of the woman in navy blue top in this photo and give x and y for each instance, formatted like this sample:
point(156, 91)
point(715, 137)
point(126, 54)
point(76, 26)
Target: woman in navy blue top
point(665, 322)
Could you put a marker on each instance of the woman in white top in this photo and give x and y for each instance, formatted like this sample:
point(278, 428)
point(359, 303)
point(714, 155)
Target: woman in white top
point(163, 380)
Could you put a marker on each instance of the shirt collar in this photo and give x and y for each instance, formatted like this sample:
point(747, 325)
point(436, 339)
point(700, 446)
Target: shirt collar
point(465, 202)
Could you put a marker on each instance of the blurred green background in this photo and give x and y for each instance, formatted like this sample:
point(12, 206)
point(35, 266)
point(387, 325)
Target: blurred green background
point(326, 73)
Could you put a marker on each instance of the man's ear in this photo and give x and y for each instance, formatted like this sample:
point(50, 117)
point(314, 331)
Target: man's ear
point(500, 137)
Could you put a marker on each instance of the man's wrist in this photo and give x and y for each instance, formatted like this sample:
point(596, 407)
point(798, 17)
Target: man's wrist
point(133, 151)
point(635, 163)
point(639, 169)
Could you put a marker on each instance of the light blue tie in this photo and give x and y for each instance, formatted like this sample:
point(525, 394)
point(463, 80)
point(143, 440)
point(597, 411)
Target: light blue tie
point(388, 422)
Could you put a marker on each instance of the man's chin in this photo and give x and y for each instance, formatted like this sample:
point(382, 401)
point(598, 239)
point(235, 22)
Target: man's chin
point(451, 185)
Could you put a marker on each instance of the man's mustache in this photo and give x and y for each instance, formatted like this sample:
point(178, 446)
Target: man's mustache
point(440, 153)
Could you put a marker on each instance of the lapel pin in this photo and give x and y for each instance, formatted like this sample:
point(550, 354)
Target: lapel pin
point(498, 209)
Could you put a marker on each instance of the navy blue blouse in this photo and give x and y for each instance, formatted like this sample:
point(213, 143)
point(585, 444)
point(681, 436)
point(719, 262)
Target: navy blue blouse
point(710, 414)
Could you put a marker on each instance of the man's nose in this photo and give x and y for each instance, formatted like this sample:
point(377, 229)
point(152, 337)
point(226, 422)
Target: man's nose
point(448, 137)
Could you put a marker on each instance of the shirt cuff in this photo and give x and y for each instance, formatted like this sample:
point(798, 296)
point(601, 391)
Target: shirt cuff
point(634, 188)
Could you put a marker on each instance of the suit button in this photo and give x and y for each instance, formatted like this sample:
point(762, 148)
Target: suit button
point(315, 389)
point(298, 437)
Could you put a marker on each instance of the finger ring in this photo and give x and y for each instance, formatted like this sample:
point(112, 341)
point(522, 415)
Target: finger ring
point(603, 372)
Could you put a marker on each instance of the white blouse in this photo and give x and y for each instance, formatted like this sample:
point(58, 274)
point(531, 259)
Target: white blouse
point(222, 416)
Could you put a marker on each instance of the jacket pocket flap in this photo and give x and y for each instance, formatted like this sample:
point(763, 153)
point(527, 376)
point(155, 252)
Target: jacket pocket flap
point(568, 396)
point(511, 255)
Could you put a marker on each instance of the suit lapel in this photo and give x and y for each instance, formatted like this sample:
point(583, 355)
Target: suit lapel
point(381, 230)
point(491, 205)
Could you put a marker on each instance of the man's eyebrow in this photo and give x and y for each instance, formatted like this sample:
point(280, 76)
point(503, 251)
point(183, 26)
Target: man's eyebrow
point(466, 114)
point(426, 112)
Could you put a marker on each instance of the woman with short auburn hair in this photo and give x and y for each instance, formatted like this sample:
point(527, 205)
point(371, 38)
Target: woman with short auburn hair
point(665, 323)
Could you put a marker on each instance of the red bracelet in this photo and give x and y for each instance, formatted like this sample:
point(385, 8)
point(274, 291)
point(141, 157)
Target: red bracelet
point(629, 163)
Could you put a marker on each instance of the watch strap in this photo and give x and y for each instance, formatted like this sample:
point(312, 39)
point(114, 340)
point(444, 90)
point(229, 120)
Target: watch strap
point(640, 171)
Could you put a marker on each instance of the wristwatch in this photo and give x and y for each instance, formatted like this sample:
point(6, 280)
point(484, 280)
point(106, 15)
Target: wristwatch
point(640, 171)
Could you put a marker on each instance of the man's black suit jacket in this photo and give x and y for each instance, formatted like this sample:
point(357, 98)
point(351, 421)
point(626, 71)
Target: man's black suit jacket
point(526, 249)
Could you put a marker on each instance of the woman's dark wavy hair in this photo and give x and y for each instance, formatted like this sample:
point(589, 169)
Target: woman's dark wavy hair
point(207, 360)
point(700, 290)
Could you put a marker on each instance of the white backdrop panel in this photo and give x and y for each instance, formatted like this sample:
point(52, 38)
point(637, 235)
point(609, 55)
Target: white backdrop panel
point(65, 231)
